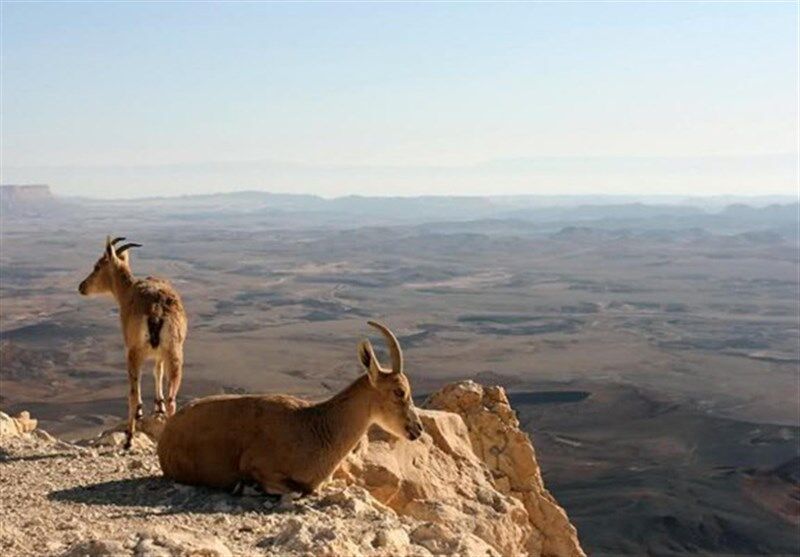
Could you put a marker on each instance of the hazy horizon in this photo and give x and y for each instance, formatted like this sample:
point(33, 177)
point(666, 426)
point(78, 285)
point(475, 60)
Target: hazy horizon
point(554, 199)
point(144, 99)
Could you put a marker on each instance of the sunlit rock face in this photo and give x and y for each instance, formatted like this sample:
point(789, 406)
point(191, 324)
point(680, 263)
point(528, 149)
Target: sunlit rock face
point(474, 470)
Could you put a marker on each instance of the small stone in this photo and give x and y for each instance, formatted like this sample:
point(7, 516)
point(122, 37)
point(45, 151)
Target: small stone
point(393, 539)
point(286, 501)
point(54, 546)
point(135, 464)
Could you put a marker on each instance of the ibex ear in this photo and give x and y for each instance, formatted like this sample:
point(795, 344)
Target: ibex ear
point(110, 253)
point(366, 355)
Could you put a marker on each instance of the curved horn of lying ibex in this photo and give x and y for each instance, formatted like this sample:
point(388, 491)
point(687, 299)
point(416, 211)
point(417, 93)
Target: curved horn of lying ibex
point(117, 240)
point(394, 346)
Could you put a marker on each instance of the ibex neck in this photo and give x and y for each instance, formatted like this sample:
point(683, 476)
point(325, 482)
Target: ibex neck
point(121, 282)
point(343, 419)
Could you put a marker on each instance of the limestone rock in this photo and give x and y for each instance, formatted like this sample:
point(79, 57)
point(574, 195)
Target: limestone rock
point(8, 426)
point(342, 520)
point(439, 480)
point(25, 423)
point(148, 430)
point(509, 454)
point(151, 426)
point(116, 440)
point(20, 424)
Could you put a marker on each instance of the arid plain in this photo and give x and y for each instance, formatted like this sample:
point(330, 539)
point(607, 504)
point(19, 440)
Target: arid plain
point(650, 350)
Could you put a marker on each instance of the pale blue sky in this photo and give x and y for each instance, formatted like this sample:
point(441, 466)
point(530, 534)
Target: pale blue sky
point(130, 99)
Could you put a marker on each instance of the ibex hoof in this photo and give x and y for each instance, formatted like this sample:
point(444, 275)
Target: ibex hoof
point(128, 442)
point(247, 487)
point(160, 406)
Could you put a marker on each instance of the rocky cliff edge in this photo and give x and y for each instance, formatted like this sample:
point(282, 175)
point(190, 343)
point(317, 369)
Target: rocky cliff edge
point(470, 486)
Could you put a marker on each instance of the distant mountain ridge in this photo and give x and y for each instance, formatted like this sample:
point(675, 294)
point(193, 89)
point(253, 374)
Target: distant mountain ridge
point(515, 214)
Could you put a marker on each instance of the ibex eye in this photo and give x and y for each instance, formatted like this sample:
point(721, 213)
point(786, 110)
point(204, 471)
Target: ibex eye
point(400, 393)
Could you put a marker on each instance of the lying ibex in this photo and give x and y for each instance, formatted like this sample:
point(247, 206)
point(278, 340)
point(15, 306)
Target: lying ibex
point(153, 325)
point(285, 444)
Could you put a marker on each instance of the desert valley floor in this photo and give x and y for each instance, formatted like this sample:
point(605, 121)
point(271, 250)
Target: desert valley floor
point(653, 358)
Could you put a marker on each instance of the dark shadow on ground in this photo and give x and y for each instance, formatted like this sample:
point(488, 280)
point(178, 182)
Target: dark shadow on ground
point(164, 497)
point(6, 456)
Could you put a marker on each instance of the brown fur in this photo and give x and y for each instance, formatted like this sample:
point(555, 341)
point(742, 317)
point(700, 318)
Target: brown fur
point(284, 443)
point(153, 322)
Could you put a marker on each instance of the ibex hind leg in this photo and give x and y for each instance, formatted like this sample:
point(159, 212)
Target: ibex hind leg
point(158, 378)
point(134, 395)
point(174, 364)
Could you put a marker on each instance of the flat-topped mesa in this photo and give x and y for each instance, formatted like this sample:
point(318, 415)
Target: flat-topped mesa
point(285, 444)
point(25, 199)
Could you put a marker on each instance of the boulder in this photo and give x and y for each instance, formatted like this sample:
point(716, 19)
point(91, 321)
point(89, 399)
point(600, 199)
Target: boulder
point(25, 423)
point(439, 480)
point(20, 424)
point(151, 426)
point(148, 430)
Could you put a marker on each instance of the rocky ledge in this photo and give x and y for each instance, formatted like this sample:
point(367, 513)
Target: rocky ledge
point(470, 486)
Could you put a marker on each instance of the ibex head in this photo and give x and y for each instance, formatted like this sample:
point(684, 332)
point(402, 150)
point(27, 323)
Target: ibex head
point(100, 280)
point(393, 407)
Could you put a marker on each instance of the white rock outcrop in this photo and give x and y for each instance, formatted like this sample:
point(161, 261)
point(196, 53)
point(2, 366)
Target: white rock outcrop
point(509, 454)
point(439, 480)
point(20, 424)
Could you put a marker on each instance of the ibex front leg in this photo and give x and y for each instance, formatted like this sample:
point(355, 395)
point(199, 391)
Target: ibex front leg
point(134, 394)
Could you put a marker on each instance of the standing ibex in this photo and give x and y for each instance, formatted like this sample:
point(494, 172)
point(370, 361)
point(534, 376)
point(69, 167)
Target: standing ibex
point(285, 444)
point(153, 325)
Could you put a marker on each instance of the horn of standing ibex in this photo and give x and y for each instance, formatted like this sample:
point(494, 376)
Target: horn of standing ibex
point(121, 249)
point(116, 240)
point(394, 346)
